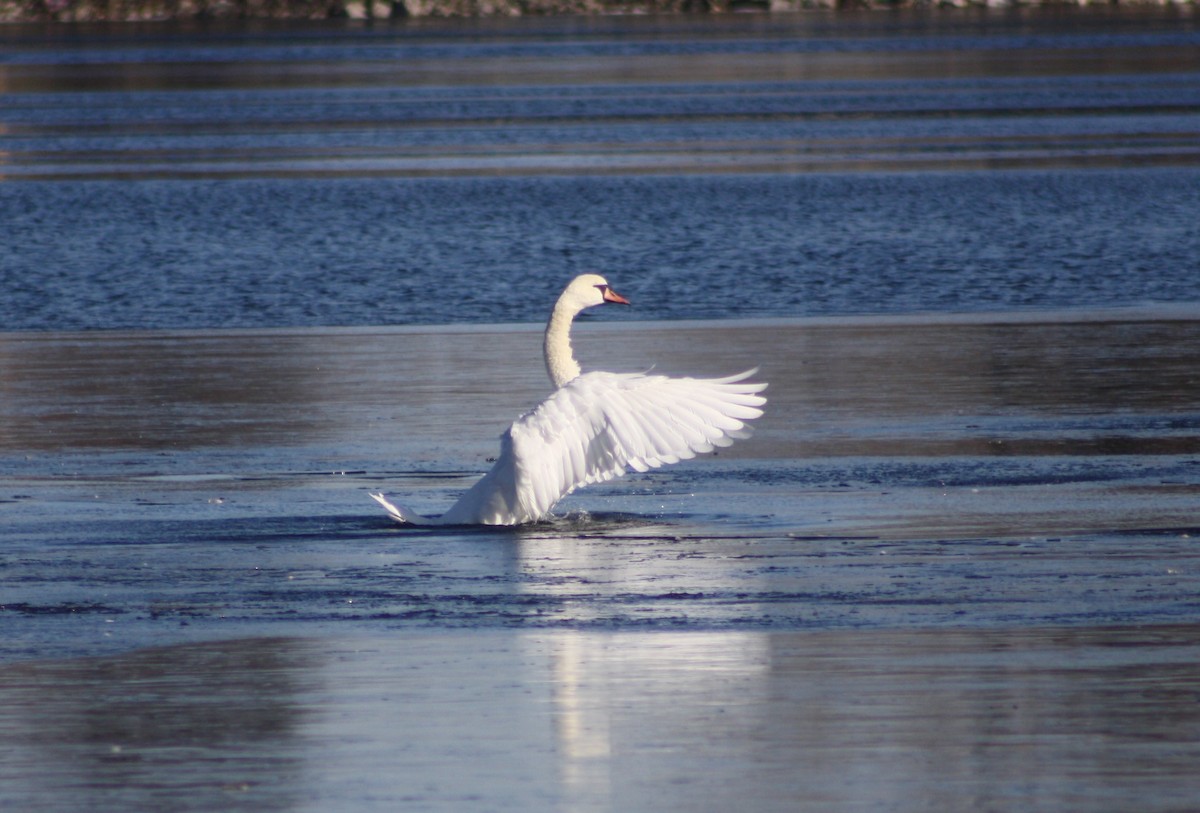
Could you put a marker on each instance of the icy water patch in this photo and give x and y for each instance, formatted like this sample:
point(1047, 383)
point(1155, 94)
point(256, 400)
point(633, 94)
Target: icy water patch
point(1047, 719)
point(911, 473)
point(956, 562)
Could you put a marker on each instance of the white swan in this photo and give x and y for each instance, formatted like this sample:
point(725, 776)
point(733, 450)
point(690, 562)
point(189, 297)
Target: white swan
point(596, 425)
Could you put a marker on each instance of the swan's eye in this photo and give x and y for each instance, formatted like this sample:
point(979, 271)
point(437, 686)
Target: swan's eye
point(602, 288)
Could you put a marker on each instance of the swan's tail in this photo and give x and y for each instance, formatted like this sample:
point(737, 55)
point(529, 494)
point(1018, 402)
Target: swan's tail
point(399, 512)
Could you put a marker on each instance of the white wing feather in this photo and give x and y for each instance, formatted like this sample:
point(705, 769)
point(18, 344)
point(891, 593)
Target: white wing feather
point(595, 428)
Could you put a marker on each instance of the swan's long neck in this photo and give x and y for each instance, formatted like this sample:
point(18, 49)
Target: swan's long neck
point(560, 361)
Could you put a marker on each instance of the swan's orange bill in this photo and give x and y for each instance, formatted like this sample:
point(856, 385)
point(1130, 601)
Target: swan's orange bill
point(612, 296)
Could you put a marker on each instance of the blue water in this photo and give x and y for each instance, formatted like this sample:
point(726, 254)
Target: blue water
point(1028, 183)
point(982, 465)
point(297, 252)
point(792, 165)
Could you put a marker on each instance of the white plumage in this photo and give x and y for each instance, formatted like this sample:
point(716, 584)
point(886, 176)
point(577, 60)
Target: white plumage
point(595, 426)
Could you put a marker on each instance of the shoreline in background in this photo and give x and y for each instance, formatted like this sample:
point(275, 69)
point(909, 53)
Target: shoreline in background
point(77, 11)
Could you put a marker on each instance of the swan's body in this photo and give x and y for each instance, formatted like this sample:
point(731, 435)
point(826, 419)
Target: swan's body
point(595, 426)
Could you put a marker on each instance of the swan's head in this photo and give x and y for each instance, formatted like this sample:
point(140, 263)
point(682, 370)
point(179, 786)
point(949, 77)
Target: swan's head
point(589, 290)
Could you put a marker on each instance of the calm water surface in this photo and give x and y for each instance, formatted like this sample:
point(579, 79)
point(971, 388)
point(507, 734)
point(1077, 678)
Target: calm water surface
point(249, 274)
point(1100, 720)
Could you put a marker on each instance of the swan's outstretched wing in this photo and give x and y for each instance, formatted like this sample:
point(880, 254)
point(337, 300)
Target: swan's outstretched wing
point(599, 425)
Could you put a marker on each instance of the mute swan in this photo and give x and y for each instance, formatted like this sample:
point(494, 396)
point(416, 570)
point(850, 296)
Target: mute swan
point(595, 425)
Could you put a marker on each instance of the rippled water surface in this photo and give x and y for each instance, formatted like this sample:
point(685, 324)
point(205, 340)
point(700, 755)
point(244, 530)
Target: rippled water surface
point(753, 166)
point(251, 274)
